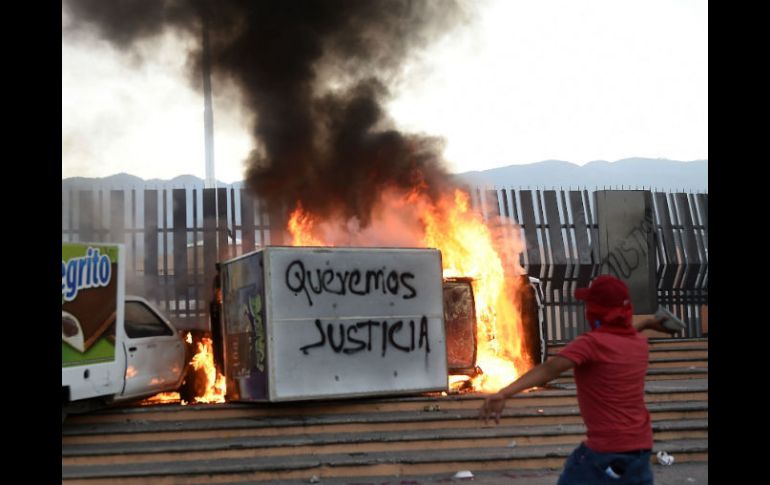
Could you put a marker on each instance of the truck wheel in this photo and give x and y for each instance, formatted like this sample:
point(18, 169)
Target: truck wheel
point(187, 389)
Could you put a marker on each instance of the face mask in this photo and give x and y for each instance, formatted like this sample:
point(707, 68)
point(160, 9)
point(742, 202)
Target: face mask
point(598, 316)
point(594, 320)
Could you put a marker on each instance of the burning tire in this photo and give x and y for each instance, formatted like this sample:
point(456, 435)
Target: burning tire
point(187, 389)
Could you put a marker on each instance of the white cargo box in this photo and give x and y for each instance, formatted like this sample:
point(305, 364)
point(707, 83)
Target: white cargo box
point(306, 323)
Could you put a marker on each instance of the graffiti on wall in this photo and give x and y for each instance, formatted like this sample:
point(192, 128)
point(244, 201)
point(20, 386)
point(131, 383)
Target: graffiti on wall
point(629, 254)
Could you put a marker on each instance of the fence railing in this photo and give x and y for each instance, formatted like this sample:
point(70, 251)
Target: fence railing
point(174, 237)
point(561, 233)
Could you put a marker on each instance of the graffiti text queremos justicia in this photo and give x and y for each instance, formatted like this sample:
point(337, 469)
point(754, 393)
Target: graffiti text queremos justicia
point(361, 282)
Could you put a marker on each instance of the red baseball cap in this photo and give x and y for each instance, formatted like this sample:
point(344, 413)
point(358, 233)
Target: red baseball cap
point(605, 290)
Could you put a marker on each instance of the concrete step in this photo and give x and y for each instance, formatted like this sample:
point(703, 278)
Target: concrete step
point(391, 421)
point(689, 372)
point(384, 463)
point(690, 473)
point(679, 342)
point(663, 354)
point(675, 353)
point(669, 362)
point(556, 395)
point(666, 363)
point(325, 443)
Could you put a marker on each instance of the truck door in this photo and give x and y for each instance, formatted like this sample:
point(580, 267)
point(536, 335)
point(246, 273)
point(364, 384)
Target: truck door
point(155, 355)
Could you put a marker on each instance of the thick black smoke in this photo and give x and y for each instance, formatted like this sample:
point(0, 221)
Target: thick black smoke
point(316, 74)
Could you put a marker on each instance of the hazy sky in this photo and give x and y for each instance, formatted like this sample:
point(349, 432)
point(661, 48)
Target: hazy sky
point(573, 80)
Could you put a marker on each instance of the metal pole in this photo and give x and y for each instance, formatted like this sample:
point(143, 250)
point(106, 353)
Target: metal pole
point(208, 114)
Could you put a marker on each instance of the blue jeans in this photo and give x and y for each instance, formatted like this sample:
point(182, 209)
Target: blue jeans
point(586, 467)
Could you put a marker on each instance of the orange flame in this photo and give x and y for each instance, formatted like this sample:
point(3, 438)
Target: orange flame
point(469, 247)
point(160, 398)
point(301, 225)
point(215, 385)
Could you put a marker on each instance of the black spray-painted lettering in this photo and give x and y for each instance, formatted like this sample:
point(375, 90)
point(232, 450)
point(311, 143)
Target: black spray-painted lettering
point(299, 279)
point(627, 256)
point(351, 338)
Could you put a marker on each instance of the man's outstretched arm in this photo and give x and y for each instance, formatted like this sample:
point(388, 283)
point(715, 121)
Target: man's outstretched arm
point(538, 376)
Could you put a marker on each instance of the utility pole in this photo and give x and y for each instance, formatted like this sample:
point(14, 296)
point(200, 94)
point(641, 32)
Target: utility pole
point(208, 114)
point(208, 119)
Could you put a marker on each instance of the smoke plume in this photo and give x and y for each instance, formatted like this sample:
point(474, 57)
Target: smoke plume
point(316, 74)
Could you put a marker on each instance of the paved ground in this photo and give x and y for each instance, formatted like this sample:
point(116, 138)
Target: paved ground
point(676, 474)
point(682, 474)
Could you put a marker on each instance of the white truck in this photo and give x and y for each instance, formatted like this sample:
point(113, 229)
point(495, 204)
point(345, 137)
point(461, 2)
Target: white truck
point(302, 323)
point(114, 347)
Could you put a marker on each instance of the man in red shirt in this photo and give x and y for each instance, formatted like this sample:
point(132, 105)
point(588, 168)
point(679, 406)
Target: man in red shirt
point(610, 363)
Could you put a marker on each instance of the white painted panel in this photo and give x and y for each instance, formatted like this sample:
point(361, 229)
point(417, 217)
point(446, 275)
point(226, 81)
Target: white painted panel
point(354, 321)
point(380, 355)
point(343, 282)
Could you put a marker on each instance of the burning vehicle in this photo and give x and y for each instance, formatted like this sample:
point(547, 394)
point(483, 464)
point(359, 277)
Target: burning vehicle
point(462, 329)
point(306, 323)
point(115, 347)
point(302, 323)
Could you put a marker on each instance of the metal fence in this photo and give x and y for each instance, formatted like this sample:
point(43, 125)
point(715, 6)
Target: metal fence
point(174, 236)
point(561, 233)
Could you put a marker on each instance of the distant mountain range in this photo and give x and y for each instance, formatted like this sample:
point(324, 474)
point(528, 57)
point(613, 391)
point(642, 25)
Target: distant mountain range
point(661, 174)
point(123, 180)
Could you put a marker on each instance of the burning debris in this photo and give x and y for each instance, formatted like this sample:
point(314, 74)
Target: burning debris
point(163, 398)
point(213, 383)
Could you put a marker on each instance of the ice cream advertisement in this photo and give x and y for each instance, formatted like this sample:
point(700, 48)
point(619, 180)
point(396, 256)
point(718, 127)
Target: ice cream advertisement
point(89, 303)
